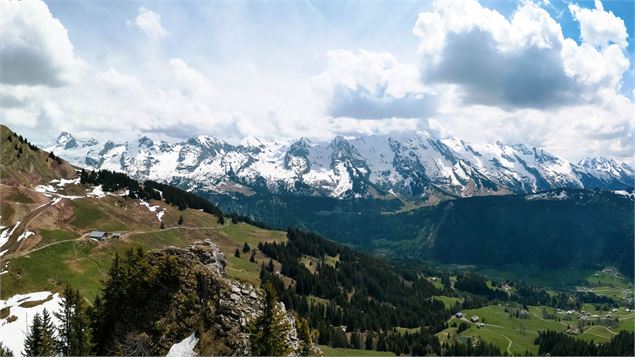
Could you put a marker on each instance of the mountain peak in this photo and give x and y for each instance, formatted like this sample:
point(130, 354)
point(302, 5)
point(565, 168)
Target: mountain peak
point(145, 142)
point(205, 141)
point(66, 140)
point(598, 163)
point(251, 141)
point(339, 142)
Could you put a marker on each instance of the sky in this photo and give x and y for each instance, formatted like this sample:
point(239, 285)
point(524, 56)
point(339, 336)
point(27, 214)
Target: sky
point(549, 73)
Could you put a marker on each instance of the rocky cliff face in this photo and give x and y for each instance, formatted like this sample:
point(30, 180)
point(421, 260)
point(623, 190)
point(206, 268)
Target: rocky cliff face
point(217, 309)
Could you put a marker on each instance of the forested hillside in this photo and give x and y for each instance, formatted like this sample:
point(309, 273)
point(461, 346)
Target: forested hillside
point(562, 228)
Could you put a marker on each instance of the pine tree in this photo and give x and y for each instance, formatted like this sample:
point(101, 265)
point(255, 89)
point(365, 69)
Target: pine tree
point(253, 257)
point(162, 225)
point(269, 331)
point(237, 253)
point(369, 341)
point(339, 338)
point(221, 219)
point(65, 317)
point(74, 335)
point(48, 340)
point(356, 341)
point(304, 334)
point(39, 339)
point(246, 248)
point(270, 267)
point(181, 220)
point(33, 340)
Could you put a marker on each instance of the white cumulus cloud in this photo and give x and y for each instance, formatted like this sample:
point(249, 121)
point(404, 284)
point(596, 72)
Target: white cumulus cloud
point(599, 27)
point(34, 46)
point(521, 62)
point(149, 22)
point(372, 85)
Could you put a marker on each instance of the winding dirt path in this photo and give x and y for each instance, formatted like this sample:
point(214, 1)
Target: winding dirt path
point(85, 237)
point(509, 346)
point(13, 244)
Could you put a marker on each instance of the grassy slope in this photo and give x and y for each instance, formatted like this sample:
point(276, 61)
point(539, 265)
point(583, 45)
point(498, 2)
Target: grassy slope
point(449, 301)
point(522, 332)
point(84, 263)
point(330, 351)
point(32, 166)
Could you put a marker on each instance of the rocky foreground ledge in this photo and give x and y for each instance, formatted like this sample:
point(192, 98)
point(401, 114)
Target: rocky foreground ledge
point(219, 310)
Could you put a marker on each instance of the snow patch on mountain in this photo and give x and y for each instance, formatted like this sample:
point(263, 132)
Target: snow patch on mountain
point(25, 235)
point(404, 164)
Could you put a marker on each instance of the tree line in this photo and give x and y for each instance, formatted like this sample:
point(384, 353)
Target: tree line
point(114, 181)
point(357, 300)
point(560, 344)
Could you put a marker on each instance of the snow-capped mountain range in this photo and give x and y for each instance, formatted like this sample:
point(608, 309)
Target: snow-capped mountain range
point(407, 165)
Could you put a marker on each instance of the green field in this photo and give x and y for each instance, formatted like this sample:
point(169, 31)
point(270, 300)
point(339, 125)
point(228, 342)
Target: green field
point(84, 263)
point(55, 235)
point(87, 214)
point(330, 351)
point(501, 329)
point(76, 263)
point(448, 301)
point(517, 335)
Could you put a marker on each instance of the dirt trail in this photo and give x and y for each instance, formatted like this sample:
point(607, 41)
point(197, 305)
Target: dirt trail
point(173, 228)
point(13, 244)
point(84, 237)
point(509, 346)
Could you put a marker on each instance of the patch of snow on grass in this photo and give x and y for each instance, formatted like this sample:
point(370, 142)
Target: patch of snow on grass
point(46, 190)
point(4, 235)
point(151, 208)
point(4, 251)
point(96, 192)
point(184, 348)
point(13, 334)
point(25, 235)
point(64, 182)
point(157, 209)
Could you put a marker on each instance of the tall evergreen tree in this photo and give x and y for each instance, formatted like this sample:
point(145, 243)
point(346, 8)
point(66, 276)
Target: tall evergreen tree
point(356, 341)
point(39, 339)
point(74, 334)
point(369, 341)
point(246, 248)
point(180, 220)
point(33, 340)
point(269, 331)
point(304, 334)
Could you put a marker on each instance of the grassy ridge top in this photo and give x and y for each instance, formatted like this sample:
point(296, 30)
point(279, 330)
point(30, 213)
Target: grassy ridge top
point(22, 163)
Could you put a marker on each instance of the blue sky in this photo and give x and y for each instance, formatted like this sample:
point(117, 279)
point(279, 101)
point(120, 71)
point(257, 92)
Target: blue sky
point(279, 70)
